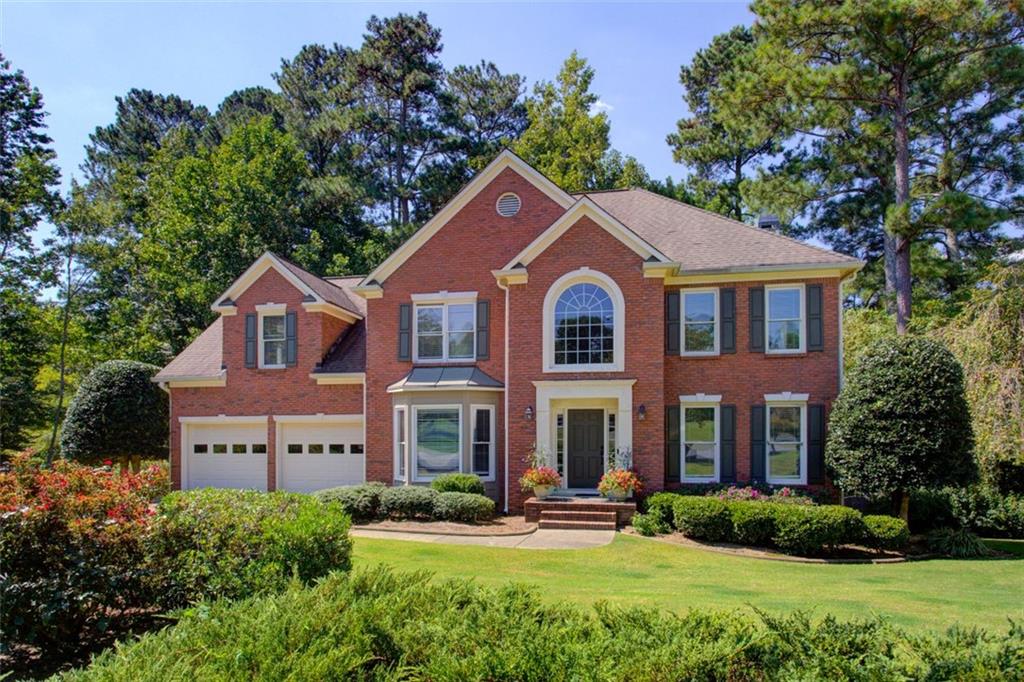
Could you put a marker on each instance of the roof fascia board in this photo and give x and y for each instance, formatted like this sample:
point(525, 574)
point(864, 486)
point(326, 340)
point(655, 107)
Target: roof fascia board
point(193, 382)
point(767, 274)
point(505, 159)
point(332, 310)
point(585, 207)
point(511, 276)
point(338, 378)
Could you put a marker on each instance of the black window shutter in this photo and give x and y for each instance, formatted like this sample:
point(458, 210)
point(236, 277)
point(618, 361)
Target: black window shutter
point(815, 443)
point(757, 435)
point(672, 321)
point(673, 446)
point(405, 331)
point(291, 345)
point(250, 339)
point(727, 324)
point(483, 334)
point(815, 323)
point(756, 295)
point(727, 429)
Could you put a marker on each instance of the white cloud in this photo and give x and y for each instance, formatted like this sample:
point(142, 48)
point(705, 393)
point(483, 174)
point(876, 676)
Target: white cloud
point(599, 106)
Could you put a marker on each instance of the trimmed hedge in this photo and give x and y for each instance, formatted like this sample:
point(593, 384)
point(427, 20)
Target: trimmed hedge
point(813, 530)
point(408, 502)
point(212, 544)
point(467, 507)
point(886, 532)
point(703, 518)
point(458, 483)
point(753, 523)
point(379, 625)
point(361, 502)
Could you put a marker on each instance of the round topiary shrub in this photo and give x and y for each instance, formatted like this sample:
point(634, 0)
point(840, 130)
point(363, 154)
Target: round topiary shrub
point(901, 421)
point(703, 518)
point(118, 413)
point(886, 533)
point(408, 502)
point(466, 507)
point(753, 523)
point(361, 502)
point(458, 483)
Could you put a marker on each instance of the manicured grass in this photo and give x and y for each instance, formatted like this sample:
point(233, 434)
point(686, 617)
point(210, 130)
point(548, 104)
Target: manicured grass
point(927, 594)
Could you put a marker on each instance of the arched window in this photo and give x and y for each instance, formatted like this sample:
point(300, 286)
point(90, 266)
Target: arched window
point(584, 326)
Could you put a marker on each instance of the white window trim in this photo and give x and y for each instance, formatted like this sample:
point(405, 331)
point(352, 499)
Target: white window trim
point(491, 461)
point(442, 299)
point(585, 275)
point(785, 400)
point(414, 457)
point(683, 293)
point(802, 308)
point(273, 310)
point(400, 417)
point(700, 400)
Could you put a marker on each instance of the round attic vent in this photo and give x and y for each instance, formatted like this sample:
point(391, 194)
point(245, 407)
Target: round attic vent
point(508, 205)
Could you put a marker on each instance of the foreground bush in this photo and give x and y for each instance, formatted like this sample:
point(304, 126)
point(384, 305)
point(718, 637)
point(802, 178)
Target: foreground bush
point(458, 483)
point(359, 627)
point(71, 552)
point(465, 507)
point(212, 544)
point(361, 502)
point(408, 502)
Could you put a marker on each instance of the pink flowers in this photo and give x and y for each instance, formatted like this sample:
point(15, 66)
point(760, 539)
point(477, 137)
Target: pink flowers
point(786, 494)
point(536, 477)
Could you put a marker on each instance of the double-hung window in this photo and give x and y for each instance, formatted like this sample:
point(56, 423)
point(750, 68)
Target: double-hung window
point(483, 441)
point(401, 443)
point(445, 331)
point(272, 335)
point(786, 443)
point(437, 448)
point(700, 322)
point(785, 319)
point(701, 441)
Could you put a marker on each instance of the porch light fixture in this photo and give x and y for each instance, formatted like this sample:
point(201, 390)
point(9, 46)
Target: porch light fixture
point(641, 412)
point(528, 413)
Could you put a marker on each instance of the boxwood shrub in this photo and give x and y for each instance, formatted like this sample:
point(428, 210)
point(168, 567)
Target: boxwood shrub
point(359, 627)
point(408, 502)
point(467, 507)
point(703, 518)
point(753, 523)
point(886, 532)
point(661, 505)
point(361, 502)
point(812, 530)
point(458, 483)
point(210, 544)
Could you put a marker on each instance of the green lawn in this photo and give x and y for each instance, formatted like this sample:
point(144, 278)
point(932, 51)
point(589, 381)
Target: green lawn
point(927, 594)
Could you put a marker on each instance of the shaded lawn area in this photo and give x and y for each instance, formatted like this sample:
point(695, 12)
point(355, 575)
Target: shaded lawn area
point(922, 595)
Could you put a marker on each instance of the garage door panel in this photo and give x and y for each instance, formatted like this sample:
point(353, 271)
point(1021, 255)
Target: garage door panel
point(227, 455)
point(321, 455)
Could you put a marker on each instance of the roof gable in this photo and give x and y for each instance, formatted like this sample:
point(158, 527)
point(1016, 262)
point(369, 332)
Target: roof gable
point(322, 296)
point(586, 208)
point(505, 159)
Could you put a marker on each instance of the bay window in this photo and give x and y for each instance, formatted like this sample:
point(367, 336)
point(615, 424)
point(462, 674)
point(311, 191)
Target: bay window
point(401, 443)
point(437, 448)
point(482, 463)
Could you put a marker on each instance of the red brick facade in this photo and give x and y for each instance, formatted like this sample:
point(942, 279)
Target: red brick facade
point(462, 257)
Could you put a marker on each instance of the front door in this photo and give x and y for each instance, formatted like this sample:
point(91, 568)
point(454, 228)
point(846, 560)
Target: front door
point(586, 448)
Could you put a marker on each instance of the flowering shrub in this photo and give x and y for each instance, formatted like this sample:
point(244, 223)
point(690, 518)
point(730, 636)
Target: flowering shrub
point(71, 550)
point(539, 476)
point(620, 480)
point(749, 493)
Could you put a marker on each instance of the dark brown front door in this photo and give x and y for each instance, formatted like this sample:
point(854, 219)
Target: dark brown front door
point(586, 448)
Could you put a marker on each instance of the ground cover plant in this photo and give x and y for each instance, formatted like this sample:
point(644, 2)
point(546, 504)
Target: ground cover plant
point(359, 626)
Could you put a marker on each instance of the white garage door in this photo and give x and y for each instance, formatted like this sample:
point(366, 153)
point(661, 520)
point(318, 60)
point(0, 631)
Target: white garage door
point(322, 454)
point(226, 455)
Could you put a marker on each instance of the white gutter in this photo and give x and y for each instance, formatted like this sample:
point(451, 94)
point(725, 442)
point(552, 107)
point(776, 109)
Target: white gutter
point(504, 287)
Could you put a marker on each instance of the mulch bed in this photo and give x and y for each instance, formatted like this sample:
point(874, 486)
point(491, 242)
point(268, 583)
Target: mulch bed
point(848, 554)
point(500, 525)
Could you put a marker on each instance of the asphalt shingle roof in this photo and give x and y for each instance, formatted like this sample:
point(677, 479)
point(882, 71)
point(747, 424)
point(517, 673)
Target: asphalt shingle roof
point(201, 358)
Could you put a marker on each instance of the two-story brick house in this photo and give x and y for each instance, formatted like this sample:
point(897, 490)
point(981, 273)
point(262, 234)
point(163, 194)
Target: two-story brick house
point(519, 318)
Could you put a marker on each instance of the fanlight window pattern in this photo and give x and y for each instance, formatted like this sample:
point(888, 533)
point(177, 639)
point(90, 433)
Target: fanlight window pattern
point(584, 326)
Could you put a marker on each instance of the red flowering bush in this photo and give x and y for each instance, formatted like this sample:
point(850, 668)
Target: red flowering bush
point(71, 550)
point(623, 481)
point(540, 476)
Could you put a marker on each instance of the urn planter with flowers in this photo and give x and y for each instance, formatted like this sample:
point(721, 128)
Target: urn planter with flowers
point(619, 484)
point(542, 480)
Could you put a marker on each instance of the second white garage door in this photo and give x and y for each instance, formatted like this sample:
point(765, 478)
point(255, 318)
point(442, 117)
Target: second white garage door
point(321, 453)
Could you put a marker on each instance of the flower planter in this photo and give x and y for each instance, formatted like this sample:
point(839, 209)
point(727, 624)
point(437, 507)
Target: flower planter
point(543, 491)
point(617, 495)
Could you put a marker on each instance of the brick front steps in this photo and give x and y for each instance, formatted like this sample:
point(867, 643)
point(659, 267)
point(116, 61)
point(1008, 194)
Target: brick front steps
point(578, 513)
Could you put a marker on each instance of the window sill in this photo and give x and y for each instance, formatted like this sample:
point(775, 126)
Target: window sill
point(699, 356)
point(581, 369)
point(785, 354)
point(272, 367)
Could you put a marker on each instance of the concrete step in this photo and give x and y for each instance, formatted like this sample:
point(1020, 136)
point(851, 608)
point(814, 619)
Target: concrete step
point(574, 515)
point(577, 525)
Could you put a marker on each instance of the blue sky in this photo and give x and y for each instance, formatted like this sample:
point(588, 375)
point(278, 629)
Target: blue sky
point(82, 55)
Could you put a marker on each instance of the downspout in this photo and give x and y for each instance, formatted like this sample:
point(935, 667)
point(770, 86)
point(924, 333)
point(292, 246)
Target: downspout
point(504, 287)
